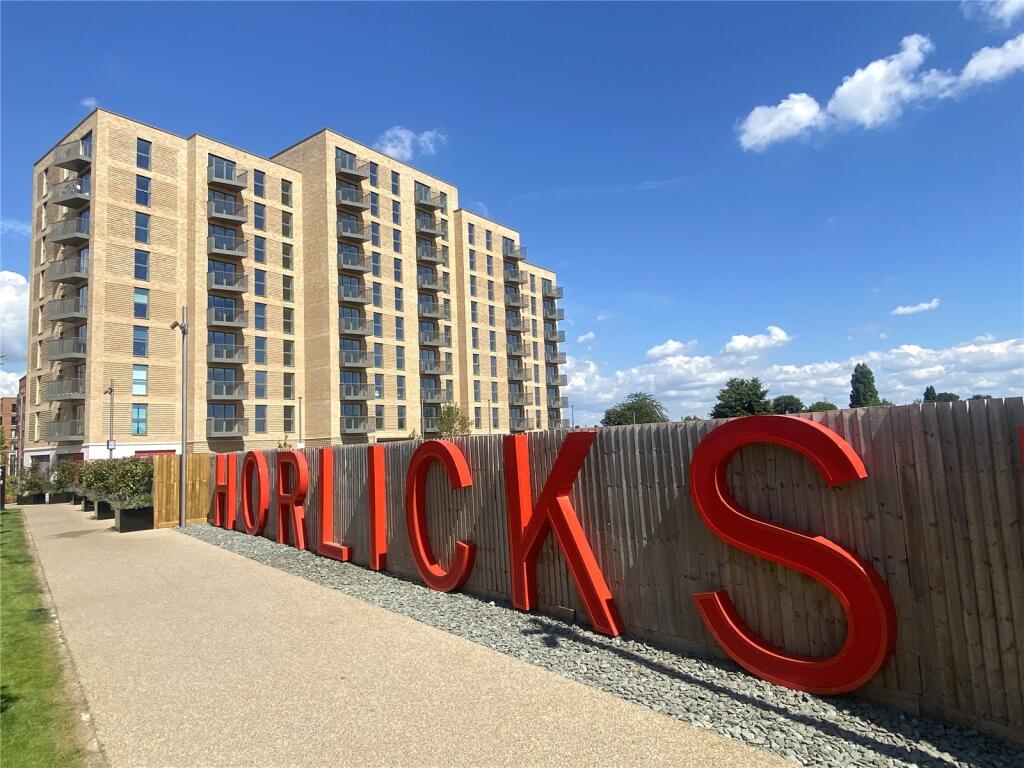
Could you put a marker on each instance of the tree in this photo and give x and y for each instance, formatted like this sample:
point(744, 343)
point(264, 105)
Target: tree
point(980, 397)
point(863, 392)
point(691, 418)
point(947, 397)
point(741, 397)
point(787, 404)
point(929, 394)
point(453, 422)
point(637, 408)
point(822, 405)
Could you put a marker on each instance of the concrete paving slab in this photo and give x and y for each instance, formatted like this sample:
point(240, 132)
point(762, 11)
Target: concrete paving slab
point(192, 656)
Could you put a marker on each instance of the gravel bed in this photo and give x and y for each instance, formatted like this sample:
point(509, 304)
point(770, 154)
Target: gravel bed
point(711, 694)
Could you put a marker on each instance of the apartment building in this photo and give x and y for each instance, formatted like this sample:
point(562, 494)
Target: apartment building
point(9, 428)
point(330, 291)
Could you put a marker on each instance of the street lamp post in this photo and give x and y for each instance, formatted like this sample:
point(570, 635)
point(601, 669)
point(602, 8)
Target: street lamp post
point(110, 420)
point(182, 470)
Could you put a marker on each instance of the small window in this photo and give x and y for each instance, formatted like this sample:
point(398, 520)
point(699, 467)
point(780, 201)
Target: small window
point(471, 234)
point(140, 341)
point(401, 417)
point(143, 153)
point(289, 418)
point(286, 192)
point(142, 184)
point(286, 256)
point(378, 386)
point(400, 387)
point(286, 223)
point(289, 386)
point(259, 249)
point(378, 354)
point(396, 183)
point(396, 240)
point(472, 310)
point(140, 380)
point(472, 259)
point(375, 234)
point(260, 350)
point(289, 352)
point(490, 264)
point(375, 264)
point(259, 216)
point(476, 391)
point(378, 413)
point(399, 327)
point(260, 425)
point(261, 385)
point(476, 418)
point(260, 283)
point(259, 183)
point(260, 317)
point(141, 227)
point(378, 327)
point(374, 204)
point(399, 302)
point(140, 418)
point(141, 264)
point(397, 264)
point(377, 302)
point(396, 212)
point(288, 320)
point(487, 239)
point(472, 285)
point(374, 173)
point(287, 288)
point(400, 358)
point(141, 308)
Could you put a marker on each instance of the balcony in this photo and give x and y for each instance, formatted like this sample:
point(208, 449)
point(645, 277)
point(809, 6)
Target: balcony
point(516, 325)
point(75, 155)
point(427, 199)
point(515, 350)
point(66, 309)
point(435, 339)
point(518, 373)
point(435, 395)
point(520, 399)
point(354, 262)
point(227, 317)
point(428, 225)
point(516, 276)
point(551, 313)
point(557, 423)
point(355, 326)
point(230, 211)
point(552, 291)
point(516, 299)
point(64, 349)
point(354, 230)
point(556, 358)
point(435, 368)
point(71, 270)
point(356, 425)
point(65, 430)
point(517, 254)
point(431, 255)
point(518, 424)
point(430, 424)
point(351, 168)
point(236, 354)
point(552, 335)
point(351, 199)
point(227, 390)
point(354, 294)
point(432, 282)
point(356, 391)
point(227, 282)
point(434, 311)
point(73, 231)
point(556, 379)
point(226, 245)
point(73, 193)
point(557, 403)
point(227, 176)
point(356, 358)
point(227, 427)
point(65, 389)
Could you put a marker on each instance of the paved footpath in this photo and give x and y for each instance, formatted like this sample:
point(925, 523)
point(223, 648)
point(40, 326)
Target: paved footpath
point(193, 656)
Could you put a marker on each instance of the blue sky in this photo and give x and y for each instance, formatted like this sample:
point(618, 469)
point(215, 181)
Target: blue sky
point(762, 233)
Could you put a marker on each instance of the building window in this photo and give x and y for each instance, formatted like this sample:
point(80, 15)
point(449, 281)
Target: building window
point(375, 234)
point(260, 283)
point(397, 264)
point(141, 308)
point(472, 312)
point(401, 417)
point(490, 264)
point(476, 364)
point(377, 301)
point(286, 224)
point(396, 212)
point(260, 317)
point(259, 249)
point(399, 303)
point(289, 418)
point(286, 192)
point(288, 320)
point(476, 391)
point(287, 288)
point(141, 265)
point(143, 153)
point(444, 202)
point(475, 333)
point(375, 264)
point(289, 386)
point(286, 256)
point(260, 350)
point(490, 314)
point(142, 190)
point(374, 204)
point(493, 341)
point(141, 227)
point(476, 418)
point(259, 216)
point(140, 418)
point(400, 358)
point(260, 421)
point(259, 183)
point(289, 353)
point(261, 385)
point(494, 366)
point(378, 386)
point(140, 341)
point(399, 327)
point(378, 355)
point(472, 285)
point(487, 239)
point(494, 418)
point(378, 324)
point(378, 416)
point(494, 392)
point(140, 380)
point(471, 234)
point(472, 259)
point(396, 183)
point(374, 171)
point(396, 240)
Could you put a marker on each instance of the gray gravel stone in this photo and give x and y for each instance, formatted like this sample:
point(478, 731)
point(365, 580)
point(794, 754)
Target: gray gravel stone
point(707, 693)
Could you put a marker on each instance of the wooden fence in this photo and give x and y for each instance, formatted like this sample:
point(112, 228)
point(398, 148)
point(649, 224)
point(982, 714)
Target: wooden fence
point(939, 516)
point(198, 482)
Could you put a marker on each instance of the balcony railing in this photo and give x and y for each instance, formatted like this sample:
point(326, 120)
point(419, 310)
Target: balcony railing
point(518, 373)
point(558, 402)
point(64, 349)
point(552, 292)
point(70, 231)
point(227, 210)
point(74, 269)
point(435, 395)
point(227, 390)
point(354, 262)
point(516, 299)
point(66, 309)
point(228, 317)
point(516, 276)
point(351, 167)
point(351, 198)
point(428, 225)
point(227, 353)
point(518, 424)
point(74, 155)
point(427, 199)
point(356, 326)
point(558, 423)
point(516, 325)
point(435, 311)
point(515, 350)
point(354, 294)
point(356, 390)
point(65, 389)
point(432, 282)
point(556, 379)
point(354, 230)
point(515, 253)
point(356, 425)
point(431, 255)
point(435, 367)
point(556, 358)
point(354, 358)
point(73, 193)
point(520, 399)
point(226, 245)
point(553, 313)
point(226, 281)
point(551, 335)
point(435, 339)
point(227, 427)
point(65, 429)
point(227, 176)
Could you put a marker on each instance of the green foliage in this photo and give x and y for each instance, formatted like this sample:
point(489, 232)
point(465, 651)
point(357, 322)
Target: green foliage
point(787, 404)
point(947, 397)
point(929, 394)
point(122, 483)
point(741, 397)
point(637, 408)
point(453, 422)
point(31, 483)
point(980, 397)
point(863, 392)
point(61, 476)
point(822, 405)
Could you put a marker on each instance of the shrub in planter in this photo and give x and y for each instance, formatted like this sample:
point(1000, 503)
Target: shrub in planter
point(32, 487)
point(60, 482)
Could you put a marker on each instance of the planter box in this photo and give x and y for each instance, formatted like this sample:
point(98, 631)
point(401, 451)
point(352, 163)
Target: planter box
point(128, 520)
point(61, 498)
point(32, 498)
point(104, 511)
point(88, 505)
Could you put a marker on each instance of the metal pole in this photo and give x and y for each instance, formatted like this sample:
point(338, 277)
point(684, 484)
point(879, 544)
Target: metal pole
point(572, 410)
point(490, 417)
point(110, 422)
point(182, 326)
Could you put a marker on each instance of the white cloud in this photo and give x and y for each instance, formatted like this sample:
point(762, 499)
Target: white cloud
point(1002, 12)
point(603, 190)
point(402, 143)
point(671, 347)
point(913, 309)
point(484, 210)
point(89, 102)
point(588, 336)
point(745, 345)
point(877, 93)
point(13, 319)
point(604, 317)
point(690, 384)
point(9, 383)
point(15, 227)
